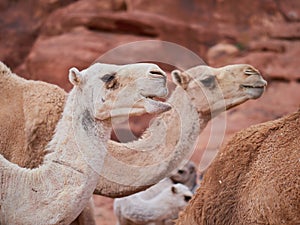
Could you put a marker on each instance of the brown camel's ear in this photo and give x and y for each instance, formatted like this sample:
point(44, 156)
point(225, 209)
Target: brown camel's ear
point(174, 190)
point(75, 76)
point(180, 78)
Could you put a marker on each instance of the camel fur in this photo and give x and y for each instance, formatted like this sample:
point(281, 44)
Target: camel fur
point(254, 179)
point(202, 93)
point(161, 209)
point(29, 114)
point(33, 109)
point(186, 175)
point(58, 190)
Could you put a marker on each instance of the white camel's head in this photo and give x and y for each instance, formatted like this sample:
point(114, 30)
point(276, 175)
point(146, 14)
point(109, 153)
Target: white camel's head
point(121, 90)
point(182, 194)
point(215, 89)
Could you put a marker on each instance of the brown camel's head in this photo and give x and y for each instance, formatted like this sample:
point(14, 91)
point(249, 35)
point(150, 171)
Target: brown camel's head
point(213, 90)
point(118, 91)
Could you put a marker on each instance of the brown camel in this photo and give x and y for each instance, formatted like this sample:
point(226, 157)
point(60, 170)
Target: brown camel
point(254, 179)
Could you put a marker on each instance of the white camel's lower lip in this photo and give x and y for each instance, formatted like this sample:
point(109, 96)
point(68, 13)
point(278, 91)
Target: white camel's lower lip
point(250, 86)
point(254, 91)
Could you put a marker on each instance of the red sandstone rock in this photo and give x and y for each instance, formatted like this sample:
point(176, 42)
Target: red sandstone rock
point(285, 31)
point(48, 37)
point(51, 58)
point(276, 65)
point(290, 9)
point(221, 54)
point(20, 24)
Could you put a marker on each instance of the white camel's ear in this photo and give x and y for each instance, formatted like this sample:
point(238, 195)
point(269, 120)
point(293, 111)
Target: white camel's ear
point(180, 78)
point(174, 190)
point(75, 76)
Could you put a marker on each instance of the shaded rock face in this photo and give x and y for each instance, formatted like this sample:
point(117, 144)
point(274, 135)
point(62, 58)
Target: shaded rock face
point(41, 40)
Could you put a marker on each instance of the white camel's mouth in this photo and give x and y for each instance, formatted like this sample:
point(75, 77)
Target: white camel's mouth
point(147, 104)
point(254, 90)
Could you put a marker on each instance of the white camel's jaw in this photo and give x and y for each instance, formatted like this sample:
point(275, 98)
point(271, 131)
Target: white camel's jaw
point(145, 105)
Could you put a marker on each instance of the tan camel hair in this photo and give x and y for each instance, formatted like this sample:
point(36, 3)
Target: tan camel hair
point(29, 113)
point(202, 93)
point(58, 190)
point(159, 210)
point(254, 179)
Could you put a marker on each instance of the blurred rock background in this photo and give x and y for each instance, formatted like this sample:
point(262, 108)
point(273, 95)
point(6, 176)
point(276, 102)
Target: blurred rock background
point(42, 39)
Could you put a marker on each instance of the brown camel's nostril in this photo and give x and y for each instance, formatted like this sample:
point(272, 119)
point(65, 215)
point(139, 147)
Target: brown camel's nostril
point(251, 71)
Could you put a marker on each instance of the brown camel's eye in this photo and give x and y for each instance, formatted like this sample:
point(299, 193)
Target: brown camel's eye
point(208, 81)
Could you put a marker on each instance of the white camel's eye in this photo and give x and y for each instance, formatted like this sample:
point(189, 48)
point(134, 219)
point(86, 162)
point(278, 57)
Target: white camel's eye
point(108, 78)
point(187, 198)
point(110, 81)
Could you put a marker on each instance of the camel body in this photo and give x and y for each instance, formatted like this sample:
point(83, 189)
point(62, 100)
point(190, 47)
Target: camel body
point(186, 175)
point(254, 179)
point(161, 209)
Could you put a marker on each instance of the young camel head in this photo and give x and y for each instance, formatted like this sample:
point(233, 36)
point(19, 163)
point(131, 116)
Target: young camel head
point(115, 91)
point(213, 90)
point(186, 175)
point(183, 192)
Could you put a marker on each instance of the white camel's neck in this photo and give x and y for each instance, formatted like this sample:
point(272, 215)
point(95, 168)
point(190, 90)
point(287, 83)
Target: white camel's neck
point(80, 133)
point(60, 188)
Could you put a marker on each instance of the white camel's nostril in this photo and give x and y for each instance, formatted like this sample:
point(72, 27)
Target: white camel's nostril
point(157, 73)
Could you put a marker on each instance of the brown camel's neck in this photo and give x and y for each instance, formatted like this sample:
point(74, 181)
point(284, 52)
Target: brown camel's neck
point(168, 142)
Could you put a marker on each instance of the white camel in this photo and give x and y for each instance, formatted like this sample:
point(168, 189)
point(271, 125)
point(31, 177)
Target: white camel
point(186, 175)
point(58, 190)
point(135, 210)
